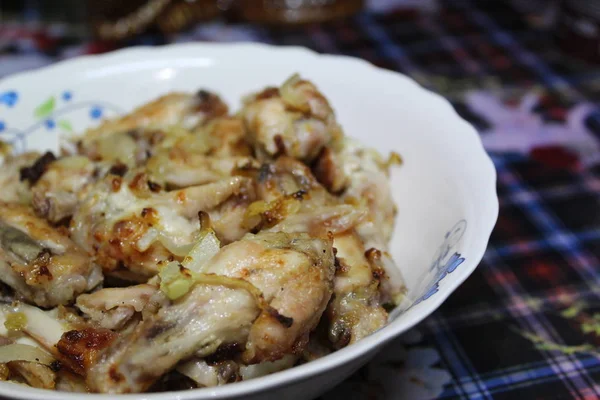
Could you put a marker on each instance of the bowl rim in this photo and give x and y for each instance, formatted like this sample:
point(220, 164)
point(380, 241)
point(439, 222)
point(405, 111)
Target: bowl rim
point(342, 356)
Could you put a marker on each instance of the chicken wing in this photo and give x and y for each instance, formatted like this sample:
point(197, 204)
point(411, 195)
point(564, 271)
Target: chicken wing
point(356, 309)
point(196, 324)
point(294, 272)
point(210, 153)
point(41, 264)
point(133, 138)
point(295, 120)
point(246, 244)
point(291, 200)
point(293, 275)
point(131, 225)
point(58, 191)
point(360, 176)
point(224, 137)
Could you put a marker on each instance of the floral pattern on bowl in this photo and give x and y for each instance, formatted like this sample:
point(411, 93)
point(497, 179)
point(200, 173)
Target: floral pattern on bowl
point(54, 113)
point(454, 168)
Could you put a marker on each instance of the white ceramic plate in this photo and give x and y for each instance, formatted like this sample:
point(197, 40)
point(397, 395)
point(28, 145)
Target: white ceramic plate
point(445, 190)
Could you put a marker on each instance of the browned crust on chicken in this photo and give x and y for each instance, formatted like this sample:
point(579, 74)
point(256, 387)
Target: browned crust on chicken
point(41, 263)
point(80, 348)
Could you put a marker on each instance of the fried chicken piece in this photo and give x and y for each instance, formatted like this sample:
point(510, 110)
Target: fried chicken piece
point(295, 120)
point(300, 204)
point(293, 201)
point(356, 309)
point(294, 272)
point(209, 154)
point(224, 137)
point(41, 264)
point(57, 193)
point(196, 324)
point(134, 137)
point(292, 280)
point(359, 175)
point(130, 225)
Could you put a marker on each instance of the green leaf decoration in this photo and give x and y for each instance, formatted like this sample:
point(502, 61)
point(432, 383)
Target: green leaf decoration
point(46, 108)
point(65, 125)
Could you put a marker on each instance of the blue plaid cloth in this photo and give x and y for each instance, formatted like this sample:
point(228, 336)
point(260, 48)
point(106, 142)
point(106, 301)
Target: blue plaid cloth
point(526, 324)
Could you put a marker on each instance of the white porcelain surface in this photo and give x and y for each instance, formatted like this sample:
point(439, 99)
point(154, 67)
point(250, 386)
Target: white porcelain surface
point(445, 190)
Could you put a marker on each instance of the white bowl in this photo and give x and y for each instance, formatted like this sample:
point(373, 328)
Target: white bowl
point(445, 190)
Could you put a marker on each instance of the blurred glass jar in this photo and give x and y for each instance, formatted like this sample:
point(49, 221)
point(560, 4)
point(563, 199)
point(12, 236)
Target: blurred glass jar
point(118, 19)
point(296, 11)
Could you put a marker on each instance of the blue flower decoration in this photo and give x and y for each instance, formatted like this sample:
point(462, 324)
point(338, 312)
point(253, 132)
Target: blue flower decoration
point(9, 98)
point(96, 113)
point(67, 95)
point(453, 262)
point(2, 126)
point(50, 124)
point(432, 290)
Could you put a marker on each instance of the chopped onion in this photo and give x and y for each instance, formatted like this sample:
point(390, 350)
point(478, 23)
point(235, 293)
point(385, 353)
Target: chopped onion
point(256, 208)
point(267, 367)
point(23, 352)
point(74, 162)
point(200, 372)
point(179, 251)
point(146, 240)
point(203, 251)
point(175, 280)
point(41, 326)
point(274, 211)
point(15, 321)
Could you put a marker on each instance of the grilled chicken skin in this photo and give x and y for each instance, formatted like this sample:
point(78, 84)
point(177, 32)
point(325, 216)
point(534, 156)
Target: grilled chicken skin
point(298, 203)
point(133, 138)
point(264, 294)
point(130, 225)
point(236, 245)
point(58, 191)
point(295, 120)
point(40, 263)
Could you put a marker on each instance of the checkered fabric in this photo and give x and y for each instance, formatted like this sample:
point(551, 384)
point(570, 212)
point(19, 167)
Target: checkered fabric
point(504, 334)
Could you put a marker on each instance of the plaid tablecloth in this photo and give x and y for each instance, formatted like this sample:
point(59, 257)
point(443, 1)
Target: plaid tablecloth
point(524, 325)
